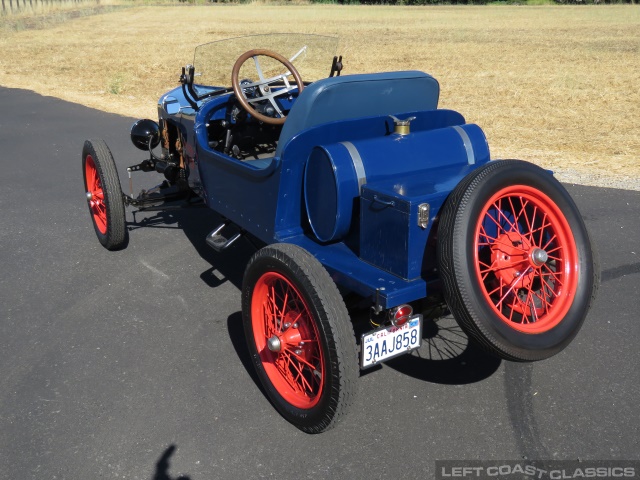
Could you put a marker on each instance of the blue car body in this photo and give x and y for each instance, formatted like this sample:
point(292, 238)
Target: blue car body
point(342, 184)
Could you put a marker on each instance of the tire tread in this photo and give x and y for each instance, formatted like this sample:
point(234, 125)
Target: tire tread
point(457, 296)
point(342, 347)
point(115, 237)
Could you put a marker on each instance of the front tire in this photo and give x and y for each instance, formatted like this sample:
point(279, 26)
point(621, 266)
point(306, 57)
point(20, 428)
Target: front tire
point(299, 336)
point(104, 194)
point(516, 261)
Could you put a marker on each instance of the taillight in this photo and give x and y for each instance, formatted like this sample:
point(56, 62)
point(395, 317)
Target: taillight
point(399, 315)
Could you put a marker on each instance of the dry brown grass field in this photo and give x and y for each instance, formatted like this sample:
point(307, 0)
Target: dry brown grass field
point(559, 86)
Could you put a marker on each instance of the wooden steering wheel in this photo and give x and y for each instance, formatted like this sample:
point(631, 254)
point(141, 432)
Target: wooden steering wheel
point(264, 85)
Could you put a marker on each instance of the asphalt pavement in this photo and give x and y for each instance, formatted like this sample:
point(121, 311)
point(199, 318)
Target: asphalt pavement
point(132, 364)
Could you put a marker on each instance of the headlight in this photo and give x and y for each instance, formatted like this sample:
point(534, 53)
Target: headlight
point(145, 134)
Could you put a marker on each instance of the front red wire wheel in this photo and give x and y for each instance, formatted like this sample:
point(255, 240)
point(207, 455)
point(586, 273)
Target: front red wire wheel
point(104, 194)
point(526, 259)
point(299, 336)
point(95, 195)
point(515, 259)
point(287, 340)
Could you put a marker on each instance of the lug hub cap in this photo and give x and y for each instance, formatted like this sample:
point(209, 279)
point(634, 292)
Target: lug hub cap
point(274, 344)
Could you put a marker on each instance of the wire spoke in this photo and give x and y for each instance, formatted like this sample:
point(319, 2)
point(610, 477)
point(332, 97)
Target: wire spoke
point(551, 274)
point(301, 359)
point(300, 379)
point(512, 286)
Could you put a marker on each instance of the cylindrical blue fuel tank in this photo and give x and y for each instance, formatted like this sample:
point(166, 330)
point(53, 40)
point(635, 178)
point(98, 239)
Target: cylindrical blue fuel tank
point(335, 173)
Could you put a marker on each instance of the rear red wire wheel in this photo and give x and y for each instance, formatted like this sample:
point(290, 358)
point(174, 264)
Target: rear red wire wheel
point(104, 194)
point(515, 259)
point(287, 340)
point(300, 337)
point(526, 259)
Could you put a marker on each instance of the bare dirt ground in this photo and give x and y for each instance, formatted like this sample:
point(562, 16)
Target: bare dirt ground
point(557, 86)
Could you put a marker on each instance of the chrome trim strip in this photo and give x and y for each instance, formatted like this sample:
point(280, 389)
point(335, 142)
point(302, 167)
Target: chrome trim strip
point(471, 158)
point(357, 164)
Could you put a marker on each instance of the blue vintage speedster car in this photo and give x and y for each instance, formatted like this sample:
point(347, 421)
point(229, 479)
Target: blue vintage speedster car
point(358, 185)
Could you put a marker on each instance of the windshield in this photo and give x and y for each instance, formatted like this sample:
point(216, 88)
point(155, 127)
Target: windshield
point(310, 54)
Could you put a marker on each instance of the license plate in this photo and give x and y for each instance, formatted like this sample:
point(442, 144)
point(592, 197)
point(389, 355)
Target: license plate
point(388, 342)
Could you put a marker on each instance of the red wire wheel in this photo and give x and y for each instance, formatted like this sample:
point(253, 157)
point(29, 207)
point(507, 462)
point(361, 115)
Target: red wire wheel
point(526, 259)
point(299, 336)
point(104, 194)
point(95, 195)
point(287, 340)
point(516, 262)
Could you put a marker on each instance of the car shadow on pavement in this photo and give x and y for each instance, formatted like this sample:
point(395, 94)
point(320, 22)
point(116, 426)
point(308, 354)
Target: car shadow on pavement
point(239, 342)
point(196, 224)
point(446, 355)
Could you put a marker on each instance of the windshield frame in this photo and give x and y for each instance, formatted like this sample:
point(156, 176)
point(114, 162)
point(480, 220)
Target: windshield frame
point(213, 61)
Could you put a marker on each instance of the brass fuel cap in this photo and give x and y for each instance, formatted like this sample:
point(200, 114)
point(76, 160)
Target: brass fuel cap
point(401, 127)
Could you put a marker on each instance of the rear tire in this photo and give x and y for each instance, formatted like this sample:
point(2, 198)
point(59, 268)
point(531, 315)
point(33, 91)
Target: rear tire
point(300, 337)
point(104, 194)
point(516, 261)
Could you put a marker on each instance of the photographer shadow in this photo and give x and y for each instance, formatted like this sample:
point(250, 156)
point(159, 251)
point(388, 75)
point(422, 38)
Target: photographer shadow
point(163, 465)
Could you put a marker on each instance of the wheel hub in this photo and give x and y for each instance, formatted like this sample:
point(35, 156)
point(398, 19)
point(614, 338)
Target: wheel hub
point(516, 263)
point(289, 337)
point(509, 258)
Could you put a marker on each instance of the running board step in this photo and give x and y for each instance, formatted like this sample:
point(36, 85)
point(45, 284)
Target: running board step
point(219, 242)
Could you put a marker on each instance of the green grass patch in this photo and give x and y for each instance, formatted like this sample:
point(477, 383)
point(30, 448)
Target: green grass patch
point(116, 84)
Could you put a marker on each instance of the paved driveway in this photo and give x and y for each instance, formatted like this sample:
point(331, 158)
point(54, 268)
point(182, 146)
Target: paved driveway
point(132, 364)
